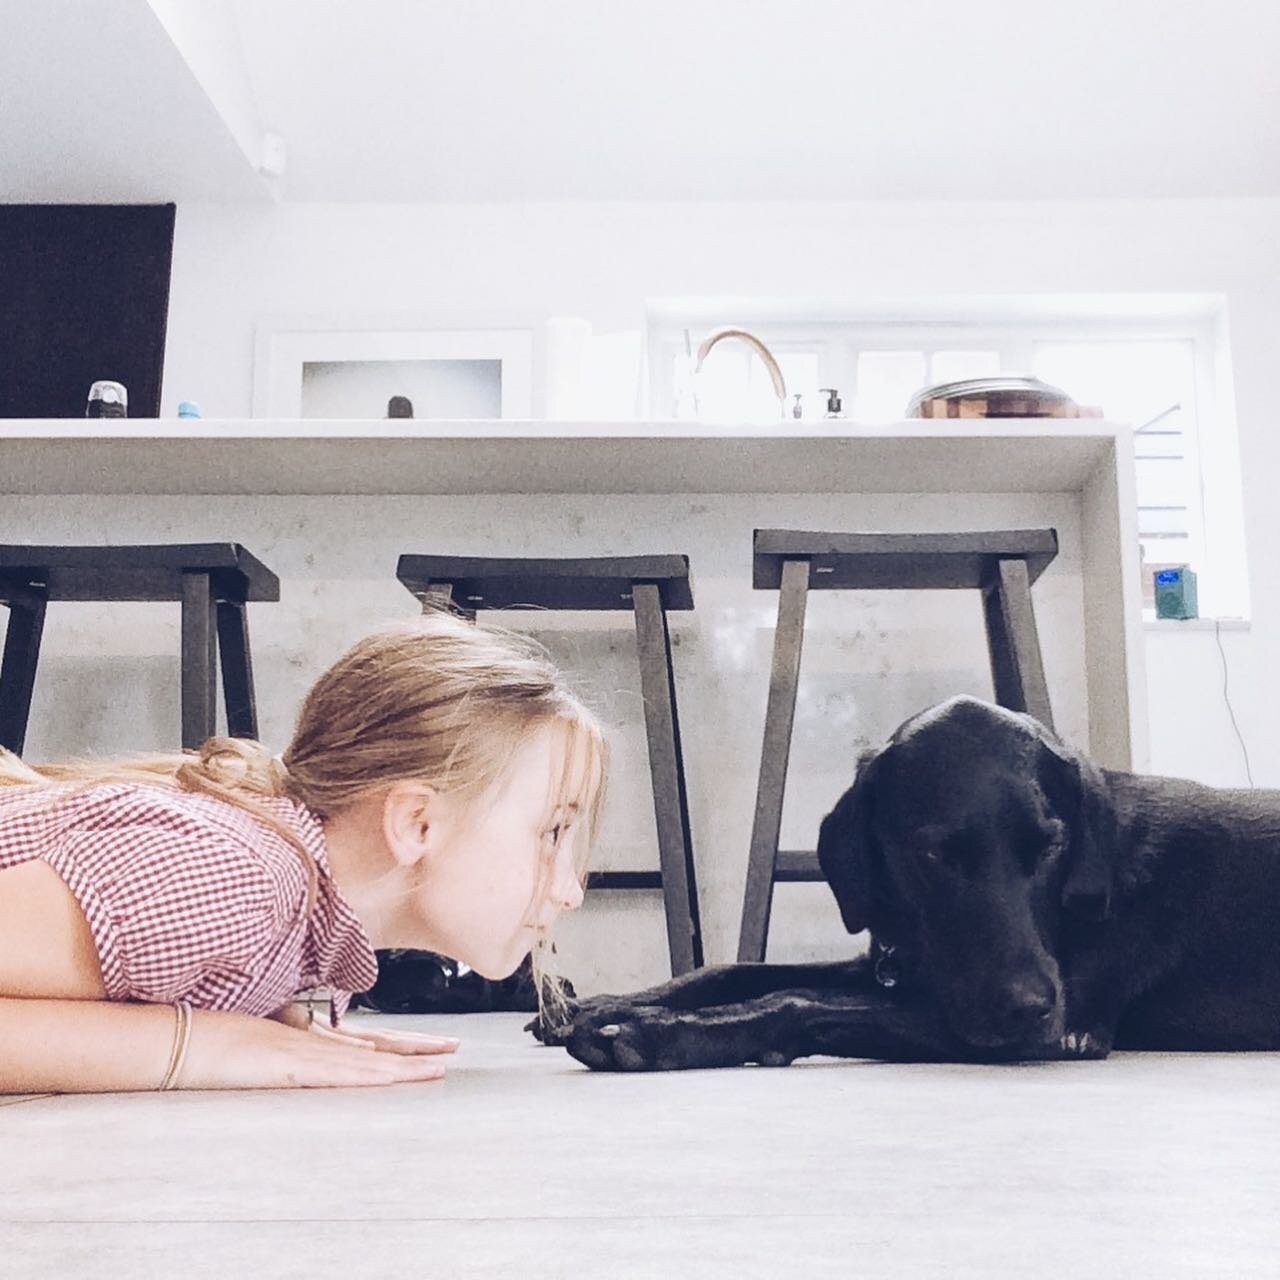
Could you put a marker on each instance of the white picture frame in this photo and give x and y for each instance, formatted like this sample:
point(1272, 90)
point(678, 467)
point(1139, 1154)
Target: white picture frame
point(282, 349)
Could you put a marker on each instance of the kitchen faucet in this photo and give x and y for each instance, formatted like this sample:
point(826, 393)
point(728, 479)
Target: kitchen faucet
point(775, 373)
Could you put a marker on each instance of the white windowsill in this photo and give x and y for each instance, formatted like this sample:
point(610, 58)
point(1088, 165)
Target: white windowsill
point(1196, 624)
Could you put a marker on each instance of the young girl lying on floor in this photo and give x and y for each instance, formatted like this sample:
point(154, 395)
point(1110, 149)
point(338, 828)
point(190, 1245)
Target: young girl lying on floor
point(158, 915)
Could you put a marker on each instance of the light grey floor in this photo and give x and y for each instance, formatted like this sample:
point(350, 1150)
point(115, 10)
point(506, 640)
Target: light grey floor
point(522, 1163)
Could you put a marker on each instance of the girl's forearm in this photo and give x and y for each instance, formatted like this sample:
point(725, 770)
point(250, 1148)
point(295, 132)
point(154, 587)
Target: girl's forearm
point(292, 1015)
point(83, 1046)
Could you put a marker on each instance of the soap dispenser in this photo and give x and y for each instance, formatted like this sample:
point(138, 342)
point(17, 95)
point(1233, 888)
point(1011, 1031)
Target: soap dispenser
point(833, 402)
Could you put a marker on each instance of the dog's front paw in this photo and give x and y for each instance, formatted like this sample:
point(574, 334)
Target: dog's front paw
point(543, 1031)
point(612, 1035)
point(619, 1037)
point(616, 1036)
point(1084, 1044)
point(553, 1028)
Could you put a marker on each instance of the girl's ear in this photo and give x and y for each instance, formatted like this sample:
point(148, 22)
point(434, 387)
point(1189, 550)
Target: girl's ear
point(411, 821)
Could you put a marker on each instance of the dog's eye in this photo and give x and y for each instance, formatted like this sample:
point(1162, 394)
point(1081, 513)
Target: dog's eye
point(937, 859)
point(955, 851)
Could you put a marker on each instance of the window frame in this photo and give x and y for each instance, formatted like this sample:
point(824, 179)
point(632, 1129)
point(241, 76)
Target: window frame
point(838, 342)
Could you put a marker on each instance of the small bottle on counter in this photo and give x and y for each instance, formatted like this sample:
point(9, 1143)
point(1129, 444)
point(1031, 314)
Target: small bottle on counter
point(107, 399)
point(834, 409)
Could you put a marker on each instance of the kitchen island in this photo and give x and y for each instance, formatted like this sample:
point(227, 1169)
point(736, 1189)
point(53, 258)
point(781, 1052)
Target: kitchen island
point(330, 505)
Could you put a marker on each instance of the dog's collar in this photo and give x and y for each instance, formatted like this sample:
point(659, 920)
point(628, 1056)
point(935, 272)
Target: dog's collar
point(887, 968)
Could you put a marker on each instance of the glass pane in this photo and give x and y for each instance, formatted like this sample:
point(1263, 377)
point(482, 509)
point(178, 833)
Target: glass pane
point(722, 384)
point(886, 382)
point(1158, 443)
point(1164, 482)
point(1162, 522)
point(1131, 381)
point(443, 388)
point(1165, 550)
point(800, 371)
point(1134, 381)
point(734, 384)
point(952, 366)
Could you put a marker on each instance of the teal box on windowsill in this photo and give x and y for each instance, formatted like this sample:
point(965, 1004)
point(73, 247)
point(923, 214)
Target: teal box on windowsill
point(1176, 593)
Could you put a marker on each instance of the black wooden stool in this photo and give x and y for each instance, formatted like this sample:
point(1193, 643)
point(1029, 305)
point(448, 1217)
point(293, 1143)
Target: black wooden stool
point(647, 586)
point(210, 579)
point(1001, 564)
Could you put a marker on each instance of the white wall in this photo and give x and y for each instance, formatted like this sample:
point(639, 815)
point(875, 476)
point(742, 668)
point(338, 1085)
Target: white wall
point(519, 264)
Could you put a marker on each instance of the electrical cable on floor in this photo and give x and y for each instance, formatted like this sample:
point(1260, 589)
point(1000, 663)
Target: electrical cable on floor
point(1217, 635)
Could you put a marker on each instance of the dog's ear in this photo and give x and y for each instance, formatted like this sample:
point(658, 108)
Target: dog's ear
point(845, 847)
point(1079, 794)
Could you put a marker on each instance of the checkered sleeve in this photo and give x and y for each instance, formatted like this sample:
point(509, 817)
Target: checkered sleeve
point(175, 913)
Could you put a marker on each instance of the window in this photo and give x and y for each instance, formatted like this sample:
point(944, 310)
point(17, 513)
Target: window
point(1157, 375)
point(1152, 385)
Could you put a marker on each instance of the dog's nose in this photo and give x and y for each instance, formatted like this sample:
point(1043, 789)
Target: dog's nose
point(1028, 1009)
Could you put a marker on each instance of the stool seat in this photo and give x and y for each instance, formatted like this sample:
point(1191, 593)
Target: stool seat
point(595, 582)
point(919, 561)
point(212, 580)
point(149, 572)
point(647, 587)
point(1001, 563)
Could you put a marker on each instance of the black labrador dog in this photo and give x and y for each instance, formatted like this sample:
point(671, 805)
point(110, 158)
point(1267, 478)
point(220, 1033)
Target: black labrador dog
point(1023, 905)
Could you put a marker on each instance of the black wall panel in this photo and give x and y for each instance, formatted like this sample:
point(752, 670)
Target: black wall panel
point(84, 295)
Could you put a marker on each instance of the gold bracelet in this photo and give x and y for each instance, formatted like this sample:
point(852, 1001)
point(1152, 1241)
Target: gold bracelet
point(179, 1051)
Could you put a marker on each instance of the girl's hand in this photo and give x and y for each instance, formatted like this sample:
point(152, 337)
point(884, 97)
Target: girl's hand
point(242, 1051)
point(407, 1042)
point(293, 1015)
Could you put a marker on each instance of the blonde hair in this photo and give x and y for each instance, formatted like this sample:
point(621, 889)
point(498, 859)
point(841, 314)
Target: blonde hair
point(436, 699)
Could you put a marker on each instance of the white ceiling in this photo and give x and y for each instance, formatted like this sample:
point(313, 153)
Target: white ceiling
point(449, 100)
point(97, 103)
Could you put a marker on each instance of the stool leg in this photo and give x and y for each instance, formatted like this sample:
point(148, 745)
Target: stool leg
point(1017, 670)
point(666, 766)
point(784, 680)
point(199, 638)
point(237, 669)
point(18, 671)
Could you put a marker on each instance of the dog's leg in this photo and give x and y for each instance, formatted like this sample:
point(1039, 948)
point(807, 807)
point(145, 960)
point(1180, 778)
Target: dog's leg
point(773, 1031)
point(718, 985)
point(862, 1021)
point(734, 983)
point(1094, 999)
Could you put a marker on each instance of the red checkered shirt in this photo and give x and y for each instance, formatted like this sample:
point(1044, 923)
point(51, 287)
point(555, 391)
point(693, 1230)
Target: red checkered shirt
point(191, 898)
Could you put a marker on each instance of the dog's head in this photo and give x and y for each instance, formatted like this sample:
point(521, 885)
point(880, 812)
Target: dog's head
point(968, 842)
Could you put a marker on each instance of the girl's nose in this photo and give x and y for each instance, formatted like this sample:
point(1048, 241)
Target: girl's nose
point(569, 892)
